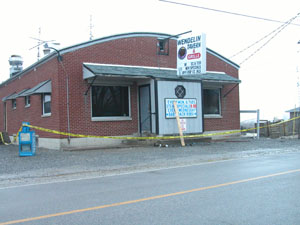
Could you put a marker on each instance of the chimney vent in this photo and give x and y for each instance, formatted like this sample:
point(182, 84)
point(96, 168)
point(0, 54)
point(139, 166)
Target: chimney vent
point(16, 64)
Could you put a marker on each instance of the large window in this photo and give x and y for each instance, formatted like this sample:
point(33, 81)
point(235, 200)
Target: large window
point(110, 101)
point(46, 104)
point(211, 100)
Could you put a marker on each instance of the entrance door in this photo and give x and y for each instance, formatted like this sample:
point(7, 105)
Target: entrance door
point(145, 108)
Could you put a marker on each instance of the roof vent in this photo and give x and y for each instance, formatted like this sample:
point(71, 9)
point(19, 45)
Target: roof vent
point(16, 65)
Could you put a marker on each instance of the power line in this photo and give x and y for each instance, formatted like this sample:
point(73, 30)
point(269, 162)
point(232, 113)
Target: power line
point(256, 42)
point(227, 12)
point(271, 38)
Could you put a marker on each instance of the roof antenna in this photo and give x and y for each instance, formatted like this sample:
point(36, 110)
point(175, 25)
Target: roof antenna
point(91, 27)
point(39, 43)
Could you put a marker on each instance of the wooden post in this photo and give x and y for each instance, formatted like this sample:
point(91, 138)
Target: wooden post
point(178, 124)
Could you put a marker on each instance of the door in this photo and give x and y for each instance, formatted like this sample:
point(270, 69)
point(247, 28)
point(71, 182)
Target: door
point(145, 108)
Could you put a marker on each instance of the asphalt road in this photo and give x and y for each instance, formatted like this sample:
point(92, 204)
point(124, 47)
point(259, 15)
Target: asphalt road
point(256, 190)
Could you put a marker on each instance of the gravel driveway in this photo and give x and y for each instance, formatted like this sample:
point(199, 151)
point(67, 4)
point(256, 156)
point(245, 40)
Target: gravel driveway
point(57, 165)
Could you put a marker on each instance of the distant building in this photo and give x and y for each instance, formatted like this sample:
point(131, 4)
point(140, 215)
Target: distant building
point(294, 112)
point(121, 85)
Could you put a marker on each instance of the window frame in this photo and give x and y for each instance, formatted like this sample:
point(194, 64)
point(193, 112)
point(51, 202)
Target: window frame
point(213, 115)
point(45, 114)
point(14, 103)
point(27, 101)
point(111, 118)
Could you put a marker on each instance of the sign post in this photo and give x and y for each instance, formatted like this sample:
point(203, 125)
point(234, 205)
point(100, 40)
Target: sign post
point(179, 125)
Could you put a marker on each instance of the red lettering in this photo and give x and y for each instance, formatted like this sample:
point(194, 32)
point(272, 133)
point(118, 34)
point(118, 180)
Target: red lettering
point(193, 56)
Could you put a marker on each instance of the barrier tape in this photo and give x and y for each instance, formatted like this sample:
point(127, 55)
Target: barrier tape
point(151, 138)
point(2, 139)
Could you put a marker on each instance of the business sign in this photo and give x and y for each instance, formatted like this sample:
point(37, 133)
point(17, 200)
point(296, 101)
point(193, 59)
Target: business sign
point(191, 55)
point(187, 108)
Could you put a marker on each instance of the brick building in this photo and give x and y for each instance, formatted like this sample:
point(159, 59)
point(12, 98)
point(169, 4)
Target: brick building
point(119, 86)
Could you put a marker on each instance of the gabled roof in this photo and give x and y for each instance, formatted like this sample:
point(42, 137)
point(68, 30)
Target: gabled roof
point(93, 69)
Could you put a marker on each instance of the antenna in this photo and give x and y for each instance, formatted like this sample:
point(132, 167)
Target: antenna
point(91, 27)
point(39, 43)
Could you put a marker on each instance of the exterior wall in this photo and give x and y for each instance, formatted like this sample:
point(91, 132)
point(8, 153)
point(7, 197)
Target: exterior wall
point(33, 114)
point(139, 51)
point(169, 125)
point(230, 108)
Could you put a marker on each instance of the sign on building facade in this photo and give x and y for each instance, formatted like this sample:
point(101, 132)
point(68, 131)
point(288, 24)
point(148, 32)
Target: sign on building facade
point(191, 55)
point(187, 108)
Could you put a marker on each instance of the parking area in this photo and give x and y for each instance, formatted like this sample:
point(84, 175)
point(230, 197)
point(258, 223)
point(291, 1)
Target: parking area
point(58, 165)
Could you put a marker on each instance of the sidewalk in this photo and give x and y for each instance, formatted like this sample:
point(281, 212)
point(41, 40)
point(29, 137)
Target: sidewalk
point(57, 165)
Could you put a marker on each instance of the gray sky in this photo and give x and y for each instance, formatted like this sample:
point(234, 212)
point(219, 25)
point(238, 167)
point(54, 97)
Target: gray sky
point(269, 78)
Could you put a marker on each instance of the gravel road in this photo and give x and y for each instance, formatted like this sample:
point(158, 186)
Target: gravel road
point(57, 165)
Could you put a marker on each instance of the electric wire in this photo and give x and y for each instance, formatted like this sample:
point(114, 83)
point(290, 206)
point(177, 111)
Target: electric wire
point(227, 12)
point(271, 38)
point(256, 42)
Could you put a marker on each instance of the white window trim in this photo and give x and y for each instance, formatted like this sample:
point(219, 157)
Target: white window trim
point(43, 113)
point(26, 103)
point(112, 118)
point(12, 102)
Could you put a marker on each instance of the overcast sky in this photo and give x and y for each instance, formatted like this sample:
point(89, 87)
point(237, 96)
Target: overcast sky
point(269, 78)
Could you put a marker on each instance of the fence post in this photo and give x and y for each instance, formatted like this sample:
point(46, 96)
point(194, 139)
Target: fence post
point(258, 125)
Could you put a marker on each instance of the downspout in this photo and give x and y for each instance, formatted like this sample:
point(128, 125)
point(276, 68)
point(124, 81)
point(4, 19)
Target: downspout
point(59, 59)
point(68, 102)
point(156, 107)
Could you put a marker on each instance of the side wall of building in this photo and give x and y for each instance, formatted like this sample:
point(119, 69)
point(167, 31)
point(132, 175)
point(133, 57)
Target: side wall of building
point(137, 51)
point(33, 113)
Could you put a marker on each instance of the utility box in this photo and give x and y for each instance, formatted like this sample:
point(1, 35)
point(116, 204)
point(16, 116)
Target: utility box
point(27, 141)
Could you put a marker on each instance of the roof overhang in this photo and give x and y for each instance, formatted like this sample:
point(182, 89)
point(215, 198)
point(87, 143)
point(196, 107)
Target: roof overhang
point(41, 88)
point(93, 70)
point(9, 97)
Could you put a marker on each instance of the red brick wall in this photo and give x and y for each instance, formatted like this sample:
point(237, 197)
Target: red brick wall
point(139, 51)
point(230, 108)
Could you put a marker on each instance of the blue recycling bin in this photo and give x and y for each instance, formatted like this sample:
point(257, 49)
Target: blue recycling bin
point(27, 144)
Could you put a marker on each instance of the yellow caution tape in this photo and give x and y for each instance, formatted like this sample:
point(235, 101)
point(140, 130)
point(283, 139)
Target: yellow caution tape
point(15, 138)
point(2, 139)
point(151, 138)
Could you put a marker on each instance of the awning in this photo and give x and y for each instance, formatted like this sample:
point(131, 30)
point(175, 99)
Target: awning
point(91, 70)
point(21, 93)
point(9, 97)
point(43, 87)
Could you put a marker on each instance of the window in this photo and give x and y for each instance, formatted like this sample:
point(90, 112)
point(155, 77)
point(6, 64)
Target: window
point(211, 100)
point(46, 104)
point(110, 101)
point(163, 46)
point(27, 101)
point(14, 103)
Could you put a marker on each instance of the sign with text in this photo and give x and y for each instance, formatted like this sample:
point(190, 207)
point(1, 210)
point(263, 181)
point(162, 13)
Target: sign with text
point(187, 108)
point(191, 55)
point(183, 124)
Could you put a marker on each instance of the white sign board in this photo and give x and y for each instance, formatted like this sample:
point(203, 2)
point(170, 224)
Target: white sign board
point(191, 55)
point(187, 108)
point(183, 124)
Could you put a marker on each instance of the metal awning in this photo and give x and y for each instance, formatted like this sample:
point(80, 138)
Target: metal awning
point(43, 87)
point(92, 70)
point(9, 97)
point(21, 93)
